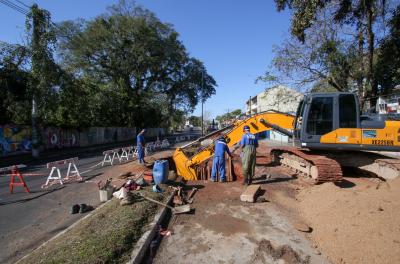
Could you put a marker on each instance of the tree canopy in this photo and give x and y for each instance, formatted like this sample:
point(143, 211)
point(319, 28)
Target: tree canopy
point(122, 68)
point(138, 62)
point(334, 44)
point(226, 118)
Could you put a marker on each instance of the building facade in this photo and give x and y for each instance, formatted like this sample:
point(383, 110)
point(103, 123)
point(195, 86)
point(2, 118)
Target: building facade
point(279, 98)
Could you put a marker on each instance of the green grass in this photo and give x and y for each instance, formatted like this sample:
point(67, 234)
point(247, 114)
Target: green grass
point(107, 236)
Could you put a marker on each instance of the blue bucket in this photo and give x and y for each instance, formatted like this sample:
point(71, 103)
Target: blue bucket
point(160, 171)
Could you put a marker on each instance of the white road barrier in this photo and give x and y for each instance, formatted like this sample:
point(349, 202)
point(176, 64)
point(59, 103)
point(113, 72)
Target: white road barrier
point(55, 167)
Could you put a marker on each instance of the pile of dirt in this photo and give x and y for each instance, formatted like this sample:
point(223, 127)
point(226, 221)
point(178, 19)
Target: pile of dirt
point(356, 222)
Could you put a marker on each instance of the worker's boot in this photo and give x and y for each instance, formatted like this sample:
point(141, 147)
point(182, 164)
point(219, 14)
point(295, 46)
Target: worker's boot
point(244, 182)
point(249, 181)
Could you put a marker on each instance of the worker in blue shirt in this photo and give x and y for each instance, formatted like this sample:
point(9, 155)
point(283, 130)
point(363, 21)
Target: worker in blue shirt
point(141, 145)
point(248, 145)
point(219, 160)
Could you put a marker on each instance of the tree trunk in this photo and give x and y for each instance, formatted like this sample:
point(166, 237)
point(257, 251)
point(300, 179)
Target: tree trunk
point(360, 79)
point(35, 69)
point(371, 39)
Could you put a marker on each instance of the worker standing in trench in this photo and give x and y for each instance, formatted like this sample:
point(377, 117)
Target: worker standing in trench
point(219, 160)
point(248, 146)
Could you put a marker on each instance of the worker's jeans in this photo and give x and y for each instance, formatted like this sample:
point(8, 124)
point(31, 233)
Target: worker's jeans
point(140, 154)
point(218, 165)
point(248, 162)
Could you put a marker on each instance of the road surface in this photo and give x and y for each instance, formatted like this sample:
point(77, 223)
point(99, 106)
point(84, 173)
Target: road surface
point(27, 220)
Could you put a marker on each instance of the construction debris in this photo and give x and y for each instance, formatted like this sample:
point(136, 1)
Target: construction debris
point(249, 195)
point(106, 185)
point(190, 195)
point(172, 175)
point(131, 185)
point(121, 194)
point(302, 227)
point(176, 210)
point(105, 190)
point(261, 199)
point(157, 189)
point(128, 200)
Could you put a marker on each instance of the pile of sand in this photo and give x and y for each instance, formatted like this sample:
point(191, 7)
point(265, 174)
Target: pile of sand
point(354, 224)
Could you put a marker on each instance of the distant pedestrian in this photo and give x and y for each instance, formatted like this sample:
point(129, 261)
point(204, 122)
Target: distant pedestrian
point(248, 145)
point(219, 160)
point(140, 141)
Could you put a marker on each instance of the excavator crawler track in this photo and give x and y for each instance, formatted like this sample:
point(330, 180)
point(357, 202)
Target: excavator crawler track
point(318, 167)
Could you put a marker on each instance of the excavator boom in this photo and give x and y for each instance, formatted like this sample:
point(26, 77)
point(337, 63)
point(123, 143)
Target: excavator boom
point(188, 157)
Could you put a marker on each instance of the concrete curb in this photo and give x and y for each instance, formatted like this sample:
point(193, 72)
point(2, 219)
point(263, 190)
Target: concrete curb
point(64, 231)
point(141, 246)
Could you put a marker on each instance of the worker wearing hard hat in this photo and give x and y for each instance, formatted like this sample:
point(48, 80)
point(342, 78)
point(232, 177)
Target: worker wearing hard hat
point(248, 145)
point(141, 145)
point(219, 160)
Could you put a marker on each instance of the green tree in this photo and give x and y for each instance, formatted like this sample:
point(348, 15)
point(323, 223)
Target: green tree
point(43, 71)
point(323, 57)
point(362, 14)
point(136, 59)
point(225, 118)
point(195, 121)
point(387, 70)
point(14, 100)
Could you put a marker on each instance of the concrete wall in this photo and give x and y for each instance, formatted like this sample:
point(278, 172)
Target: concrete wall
point(16, 139)
point(103, 135)
point(155, 132)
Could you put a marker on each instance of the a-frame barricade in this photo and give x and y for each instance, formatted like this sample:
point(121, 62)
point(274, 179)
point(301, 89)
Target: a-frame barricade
point(55, 168)
point(125, 154)
point(110, 156)
point(15, 175)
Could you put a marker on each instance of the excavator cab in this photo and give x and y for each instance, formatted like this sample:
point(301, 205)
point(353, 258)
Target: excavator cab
point(321, 113)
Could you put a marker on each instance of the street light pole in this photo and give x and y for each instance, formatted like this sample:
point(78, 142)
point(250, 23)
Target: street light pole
point(202, 102)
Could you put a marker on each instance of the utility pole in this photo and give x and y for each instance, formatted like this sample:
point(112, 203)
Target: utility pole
point(202, 102)
point(35, 68)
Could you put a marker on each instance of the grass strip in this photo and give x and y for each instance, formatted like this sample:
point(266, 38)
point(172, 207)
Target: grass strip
point(107, 236)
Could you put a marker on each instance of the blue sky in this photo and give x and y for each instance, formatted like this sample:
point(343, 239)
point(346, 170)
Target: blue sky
point(234, 39)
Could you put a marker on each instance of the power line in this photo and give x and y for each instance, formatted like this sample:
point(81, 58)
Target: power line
point(22, 10)
point(22, 3)
point(15, 7)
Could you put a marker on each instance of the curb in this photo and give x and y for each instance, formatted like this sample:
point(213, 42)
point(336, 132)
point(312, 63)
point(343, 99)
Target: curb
point(141, 246)
point(64, 231)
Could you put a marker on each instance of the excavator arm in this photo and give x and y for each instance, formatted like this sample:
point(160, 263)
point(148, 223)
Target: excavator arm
point(188, 157)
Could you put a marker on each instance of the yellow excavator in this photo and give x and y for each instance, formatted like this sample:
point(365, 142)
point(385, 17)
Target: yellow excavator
point(328, 132)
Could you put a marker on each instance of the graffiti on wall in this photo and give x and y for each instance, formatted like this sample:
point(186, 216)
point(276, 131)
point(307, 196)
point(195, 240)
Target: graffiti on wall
point(60, 138)
point(17, 139)
point(14, 139)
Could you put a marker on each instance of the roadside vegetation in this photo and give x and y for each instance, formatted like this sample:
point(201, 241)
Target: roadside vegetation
point(107, 236)
point(114, 70)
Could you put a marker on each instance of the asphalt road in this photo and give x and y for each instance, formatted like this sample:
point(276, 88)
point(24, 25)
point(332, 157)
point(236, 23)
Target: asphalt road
point(27, 220)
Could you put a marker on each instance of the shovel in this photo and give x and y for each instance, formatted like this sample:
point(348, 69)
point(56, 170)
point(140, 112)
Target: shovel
point(177, 210)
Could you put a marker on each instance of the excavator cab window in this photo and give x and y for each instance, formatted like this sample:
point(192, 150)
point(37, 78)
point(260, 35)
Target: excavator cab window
point(347, 111)
point(320, 116)
point(299, 119)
